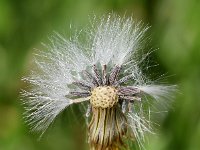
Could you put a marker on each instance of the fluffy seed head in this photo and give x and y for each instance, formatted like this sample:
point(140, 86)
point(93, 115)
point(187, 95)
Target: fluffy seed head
point(71, 72)
point(104, 97)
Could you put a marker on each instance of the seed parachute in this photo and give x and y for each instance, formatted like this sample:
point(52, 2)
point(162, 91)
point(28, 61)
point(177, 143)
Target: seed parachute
point(104, 73)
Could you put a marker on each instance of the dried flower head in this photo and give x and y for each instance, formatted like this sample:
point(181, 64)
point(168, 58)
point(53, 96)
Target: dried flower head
point(103, 73)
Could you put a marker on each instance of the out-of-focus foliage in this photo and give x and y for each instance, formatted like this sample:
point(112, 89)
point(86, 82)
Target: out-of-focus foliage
point(175, 30)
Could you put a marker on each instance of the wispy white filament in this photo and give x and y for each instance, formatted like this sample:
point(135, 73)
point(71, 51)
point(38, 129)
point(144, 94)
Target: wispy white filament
point(115, 41)
point(158, 91)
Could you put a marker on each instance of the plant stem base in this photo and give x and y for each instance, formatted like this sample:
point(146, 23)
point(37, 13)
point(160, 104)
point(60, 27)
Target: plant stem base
point(107, 128)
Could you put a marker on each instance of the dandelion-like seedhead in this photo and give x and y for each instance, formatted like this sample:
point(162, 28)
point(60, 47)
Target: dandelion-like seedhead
point(103, 73)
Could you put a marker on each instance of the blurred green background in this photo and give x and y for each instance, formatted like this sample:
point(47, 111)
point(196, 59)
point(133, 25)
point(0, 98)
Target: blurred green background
point(24, 24)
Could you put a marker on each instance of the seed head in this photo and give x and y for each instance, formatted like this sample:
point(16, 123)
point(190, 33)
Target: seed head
point(103, 73)
point(104, 97)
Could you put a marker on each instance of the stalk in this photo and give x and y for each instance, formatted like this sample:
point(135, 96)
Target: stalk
point(107, 128)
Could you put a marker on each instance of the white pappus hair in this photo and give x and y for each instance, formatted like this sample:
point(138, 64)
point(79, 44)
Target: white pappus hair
point(115, 41)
